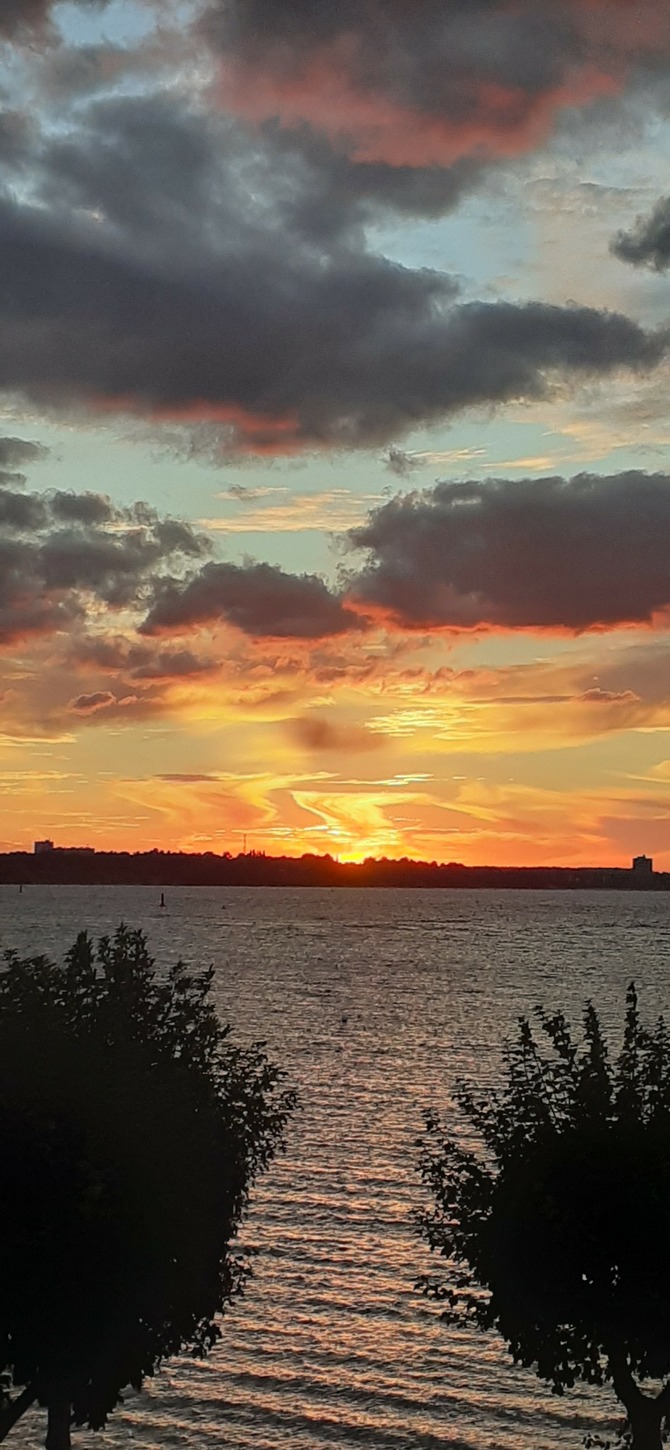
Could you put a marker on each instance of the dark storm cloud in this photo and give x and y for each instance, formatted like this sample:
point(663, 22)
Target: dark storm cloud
point(172, 271)
point(24, 20)
point(648, 242)
point(147, 160)
point(258, 599)
point(144, 164)
point(113, 564)
point(17, 137)
point(22, 512)
point(21, 19)
point(59, 551)
point(26, 607)
point(111, 568)
point(432, 79)
point(21, 16)
point(332, 191)
point(283, 346)
point(556, 553)
point(81, 508)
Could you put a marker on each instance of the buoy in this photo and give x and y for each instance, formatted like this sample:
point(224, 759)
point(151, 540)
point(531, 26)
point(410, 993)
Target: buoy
point(20, 891)
point(162, 898)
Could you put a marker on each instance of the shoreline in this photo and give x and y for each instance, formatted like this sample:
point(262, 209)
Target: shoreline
point(84, 867)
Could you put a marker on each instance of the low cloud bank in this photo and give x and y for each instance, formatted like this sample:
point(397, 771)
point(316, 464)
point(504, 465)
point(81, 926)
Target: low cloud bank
point(577, 554)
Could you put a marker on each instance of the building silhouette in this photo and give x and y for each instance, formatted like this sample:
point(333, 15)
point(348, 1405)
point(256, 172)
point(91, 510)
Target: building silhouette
point(642, 866)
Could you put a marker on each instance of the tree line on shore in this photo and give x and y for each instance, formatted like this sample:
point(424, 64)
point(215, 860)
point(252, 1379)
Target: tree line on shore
point(84, 867)
point(133, 1129)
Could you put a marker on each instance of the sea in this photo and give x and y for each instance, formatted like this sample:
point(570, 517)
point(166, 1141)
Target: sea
point(375, 1003)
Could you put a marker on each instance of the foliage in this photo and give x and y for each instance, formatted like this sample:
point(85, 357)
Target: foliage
point(131, 1132)
point(556, 1228)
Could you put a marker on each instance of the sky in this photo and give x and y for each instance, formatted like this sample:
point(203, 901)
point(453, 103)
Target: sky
point(335, 427)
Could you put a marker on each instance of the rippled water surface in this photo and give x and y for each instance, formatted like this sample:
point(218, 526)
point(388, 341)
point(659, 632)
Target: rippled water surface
point(374, 1001)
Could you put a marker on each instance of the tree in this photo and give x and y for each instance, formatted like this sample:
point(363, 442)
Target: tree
point(131, 1133)
point(556, 1224)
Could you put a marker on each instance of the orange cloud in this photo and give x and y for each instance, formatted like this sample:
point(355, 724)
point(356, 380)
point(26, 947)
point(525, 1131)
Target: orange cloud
point(425, 84)
point(101, 700)
point(498, 120)
point(256, 432)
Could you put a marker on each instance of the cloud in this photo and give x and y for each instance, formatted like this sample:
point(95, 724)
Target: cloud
point(400, 462)
point(313, 732)
point(134, 659)
point(91, 704)
point(26, 607)
point(20, 512)
point(101, 707)
point(640, 670)
point(436, 81)
point(15, 453)
point(648, 243)
point(345, 353)
point(60, 552)
point(113, 566)
point(329, 510)
point(596, 696)
point(183, 779)
point(19, 17)
point(159, 233)
point(144, 162)
point(258, 599)
point(578, 554)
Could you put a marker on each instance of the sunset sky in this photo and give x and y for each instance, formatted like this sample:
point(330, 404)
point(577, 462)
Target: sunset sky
point(335, 435)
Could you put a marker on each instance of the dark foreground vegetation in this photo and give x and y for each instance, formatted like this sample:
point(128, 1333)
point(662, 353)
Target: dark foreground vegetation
point(556, 1232)
point(177, 868)
point(131, 1132)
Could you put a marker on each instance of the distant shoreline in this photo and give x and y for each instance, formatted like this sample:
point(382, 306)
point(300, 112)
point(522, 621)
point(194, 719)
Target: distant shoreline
point(83, 867)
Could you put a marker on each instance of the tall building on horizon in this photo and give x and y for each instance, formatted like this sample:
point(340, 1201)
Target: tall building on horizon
point(642, 866)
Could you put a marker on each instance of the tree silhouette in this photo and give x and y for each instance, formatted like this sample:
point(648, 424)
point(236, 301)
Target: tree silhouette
point(131, 1132)
point(556, 1225)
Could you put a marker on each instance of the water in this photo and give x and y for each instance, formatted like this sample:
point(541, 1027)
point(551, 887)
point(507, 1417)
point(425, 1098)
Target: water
point(374, 1001)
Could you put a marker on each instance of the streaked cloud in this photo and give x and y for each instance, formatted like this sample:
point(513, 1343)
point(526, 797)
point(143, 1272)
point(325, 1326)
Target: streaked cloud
point(331, 509)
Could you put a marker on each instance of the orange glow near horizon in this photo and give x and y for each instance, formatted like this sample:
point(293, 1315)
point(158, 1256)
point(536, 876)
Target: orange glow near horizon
point(370, 747)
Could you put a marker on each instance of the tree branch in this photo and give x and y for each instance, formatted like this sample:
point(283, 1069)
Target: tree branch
point(623, 1383)
point(13, 1411)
